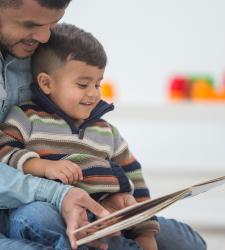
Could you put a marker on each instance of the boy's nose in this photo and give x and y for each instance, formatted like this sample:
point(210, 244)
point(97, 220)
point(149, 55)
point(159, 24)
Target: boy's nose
point(92, 92)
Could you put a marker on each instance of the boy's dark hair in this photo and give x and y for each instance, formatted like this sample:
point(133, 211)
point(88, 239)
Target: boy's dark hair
point(67, 42)
point(56, 4)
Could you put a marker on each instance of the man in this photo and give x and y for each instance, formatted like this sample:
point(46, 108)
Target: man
point(23, 25)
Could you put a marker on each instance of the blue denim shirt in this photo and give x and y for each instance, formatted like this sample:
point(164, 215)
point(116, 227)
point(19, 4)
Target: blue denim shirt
point(16, 188)
point(15, 78)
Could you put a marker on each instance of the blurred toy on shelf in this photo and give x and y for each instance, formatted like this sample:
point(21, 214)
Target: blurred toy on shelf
point(108, 90)
point(201, 89)
point(179, 88)
point(195, 88)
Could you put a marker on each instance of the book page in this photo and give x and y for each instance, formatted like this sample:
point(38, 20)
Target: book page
point(205, 186)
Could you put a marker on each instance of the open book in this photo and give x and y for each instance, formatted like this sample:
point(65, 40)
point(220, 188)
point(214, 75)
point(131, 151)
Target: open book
point(132, 215)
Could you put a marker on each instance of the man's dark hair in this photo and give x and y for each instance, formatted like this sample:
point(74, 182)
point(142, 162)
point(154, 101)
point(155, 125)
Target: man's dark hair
point(56, 4)
point(67, 42)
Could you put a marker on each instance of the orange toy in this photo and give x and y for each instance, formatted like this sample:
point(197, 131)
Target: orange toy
point(219, 95)
point(108, 92)
point(202, 90)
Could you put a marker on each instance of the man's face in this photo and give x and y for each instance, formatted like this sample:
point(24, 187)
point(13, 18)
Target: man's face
point(22, 29)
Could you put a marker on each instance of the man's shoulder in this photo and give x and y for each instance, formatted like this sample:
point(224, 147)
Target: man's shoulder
point(22, 62)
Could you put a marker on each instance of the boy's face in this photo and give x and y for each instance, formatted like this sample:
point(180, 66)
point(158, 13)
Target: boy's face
point(75, 88)
point(23, 28)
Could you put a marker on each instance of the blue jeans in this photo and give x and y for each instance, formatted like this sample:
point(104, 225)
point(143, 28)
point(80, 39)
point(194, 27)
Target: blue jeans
point(40, 222)
point(10, 244)
point(175, 235)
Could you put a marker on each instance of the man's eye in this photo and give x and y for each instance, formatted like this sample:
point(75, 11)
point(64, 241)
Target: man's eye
point(31, 25)
point(28, 26)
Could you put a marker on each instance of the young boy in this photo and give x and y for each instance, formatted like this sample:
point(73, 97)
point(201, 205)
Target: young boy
point(60, 133)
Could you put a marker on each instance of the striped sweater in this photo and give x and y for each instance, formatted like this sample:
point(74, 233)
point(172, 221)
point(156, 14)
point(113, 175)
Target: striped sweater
point(40, 129)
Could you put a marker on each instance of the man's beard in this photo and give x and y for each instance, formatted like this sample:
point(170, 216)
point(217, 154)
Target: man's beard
point(6, 48)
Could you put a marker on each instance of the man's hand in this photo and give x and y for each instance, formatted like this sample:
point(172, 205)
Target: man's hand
point(73, 209)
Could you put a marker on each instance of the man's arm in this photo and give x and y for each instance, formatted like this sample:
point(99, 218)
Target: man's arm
point(17, 189)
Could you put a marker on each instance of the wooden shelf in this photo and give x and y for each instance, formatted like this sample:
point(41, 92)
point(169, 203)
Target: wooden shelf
point(181, 110)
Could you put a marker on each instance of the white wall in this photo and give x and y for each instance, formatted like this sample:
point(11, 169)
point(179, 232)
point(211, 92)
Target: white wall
point(149, 40)
point(188, 139)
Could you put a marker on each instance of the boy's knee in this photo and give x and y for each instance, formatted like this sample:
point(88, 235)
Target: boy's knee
point(121, 243)
point(175, 235)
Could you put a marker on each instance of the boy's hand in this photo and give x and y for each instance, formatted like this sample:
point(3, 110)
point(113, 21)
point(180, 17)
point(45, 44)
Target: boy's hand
point(66, 171)
point(118, 201)
point(121, 200)
point(147, 240)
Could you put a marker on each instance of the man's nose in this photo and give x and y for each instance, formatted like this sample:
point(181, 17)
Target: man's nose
point(42, 34)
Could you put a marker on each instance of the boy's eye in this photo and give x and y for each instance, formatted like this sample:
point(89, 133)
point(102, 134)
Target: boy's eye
point(82, 85)
point(97, 86)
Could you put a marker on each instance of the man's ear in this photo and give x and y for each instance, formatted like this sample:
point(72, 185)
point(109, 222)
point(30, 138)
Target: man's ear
point(45, 82)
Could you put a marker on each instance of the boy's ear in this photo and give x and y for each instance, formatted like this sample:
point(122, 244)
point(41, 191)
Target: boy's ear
point(44, 82)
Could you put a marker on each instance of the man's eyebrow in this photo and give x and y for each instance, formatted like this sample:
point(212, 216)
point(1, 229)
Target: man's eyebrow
point(30, 23)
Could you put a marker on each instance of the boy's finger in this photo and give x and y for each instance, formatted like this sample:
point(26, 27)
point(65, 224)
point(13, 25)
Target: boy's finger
point(74, 172)
point(80, 174)
point(130, 200)
point(75, 178)
point(69, 174)
point(77, 170)
point(62, 178)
